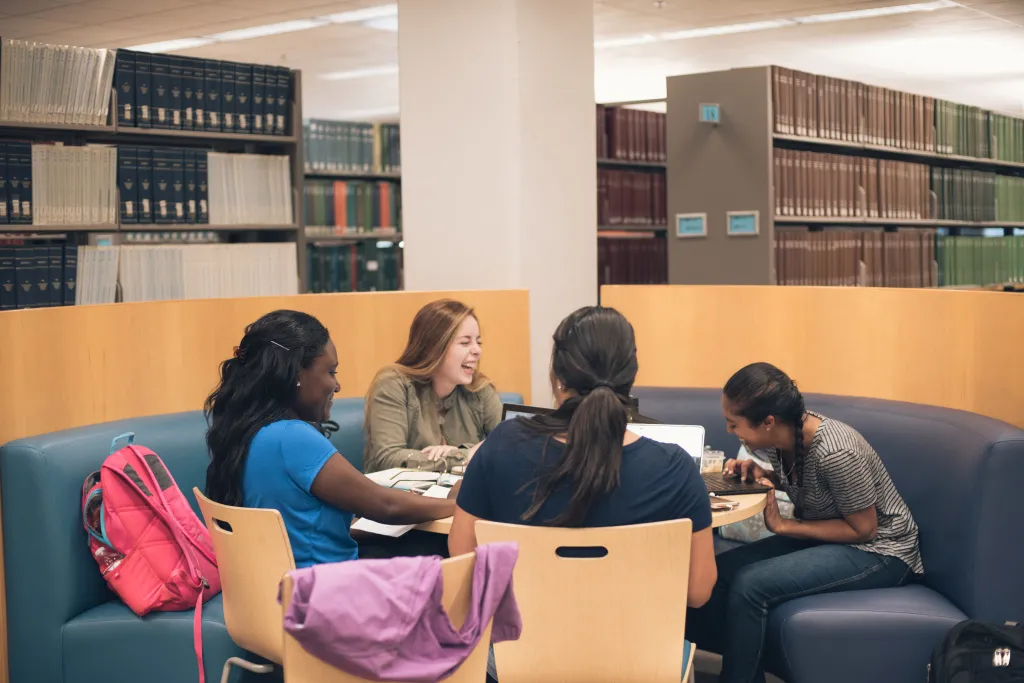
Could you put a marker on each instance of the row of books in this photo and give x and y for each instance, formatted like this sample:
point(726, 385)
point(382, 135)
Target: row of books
point(365, 266)
point(910, 257)
point(632, 260)
point(818, 106)
point(836, 185)
point(351, 147)
point(163, 185)
point(855, 258)
point(631, 134)
point(353, 205)
point(37, 273)
point(189, 93)
point(631, 197)
point(73, 185)
point(54, 84)
point(250, 189)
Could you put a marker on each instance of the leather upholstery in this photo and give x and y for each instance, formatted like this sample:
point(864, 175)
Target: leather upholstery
point(53, 586)
point(955, 471)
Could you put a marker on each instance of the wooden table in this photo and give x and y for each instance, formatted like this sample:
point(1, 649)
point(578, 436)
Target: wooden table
point(750, 504)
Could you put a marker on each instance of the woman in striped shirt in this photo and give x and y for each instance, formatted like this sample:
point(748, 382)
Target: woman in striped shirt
point(851, 528)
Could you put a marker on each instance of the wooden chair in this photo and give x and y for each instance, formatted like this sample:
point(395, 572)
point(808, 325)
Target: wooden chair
point(253, 551)
point(617, 615)
point(302, 667)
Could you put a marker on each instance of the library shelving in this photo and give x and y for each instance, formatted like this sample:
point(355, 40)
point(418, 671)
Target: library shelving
point(158, 145)
point(353, 205)
point(631, 195)
point(808, 179)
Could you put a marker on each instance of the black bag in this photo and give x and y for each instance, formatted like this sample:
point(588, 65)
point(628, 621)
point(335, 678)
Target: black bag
point(978, 652)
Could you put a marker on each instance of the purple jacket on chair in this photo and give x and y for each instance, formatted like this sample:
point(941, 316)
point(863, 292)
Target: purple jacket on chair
point(383, 619)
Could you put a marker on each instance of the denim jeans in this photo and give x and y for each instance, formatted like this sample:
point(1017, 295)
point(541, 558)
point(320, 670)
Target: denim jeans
point(755, 578)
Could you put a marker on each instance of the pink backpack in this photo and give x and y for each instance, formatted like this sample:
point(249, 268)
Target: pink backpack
point(151, 548)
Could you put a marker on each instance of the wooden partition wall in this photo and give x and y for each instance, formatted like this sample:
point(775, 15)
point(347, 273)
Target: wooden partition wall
point(80, 365)
point(956, 349)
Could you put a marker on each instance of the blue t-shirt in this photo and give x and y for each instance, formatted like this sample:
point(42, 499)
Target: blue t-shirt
point(284, 459)
point(658, 482)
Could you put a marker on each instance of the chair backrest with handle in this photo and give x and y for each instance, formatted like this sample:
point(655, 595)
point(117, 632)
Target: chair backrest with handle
point(253, 551)
point(302, 667)
point(598, 604)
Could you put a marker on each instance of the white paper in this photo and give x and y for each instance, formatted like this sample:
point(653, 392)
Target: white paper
point(392, 530)
point(397, 474)
point(436, 491)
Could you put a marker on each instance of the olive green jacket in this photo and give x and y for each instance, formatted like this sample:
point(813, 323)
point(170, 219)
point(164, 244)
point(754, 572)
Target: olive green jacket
point(402, 419)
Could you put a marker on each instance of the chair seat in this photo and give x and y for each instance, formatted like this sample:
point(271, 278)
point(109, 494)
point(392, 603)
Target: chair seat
point(109, 643)
point(887, 635)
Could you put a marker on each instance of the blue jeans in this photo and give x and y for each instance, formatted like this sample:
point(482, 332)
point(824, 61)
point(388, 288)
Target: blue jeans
point(757, 577)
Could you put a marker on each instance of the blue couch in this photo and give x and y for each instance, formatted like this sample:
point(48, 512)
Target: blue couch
point(959, 474)
point(64, 625)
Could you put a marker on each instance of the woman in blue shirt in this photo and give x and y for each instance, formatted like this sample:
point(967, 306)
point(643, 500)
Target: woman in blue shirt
point(268, 419)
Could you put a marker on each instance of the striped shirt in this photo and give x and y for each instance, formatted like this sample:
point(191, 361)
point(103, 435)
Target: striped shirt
point(841, 474)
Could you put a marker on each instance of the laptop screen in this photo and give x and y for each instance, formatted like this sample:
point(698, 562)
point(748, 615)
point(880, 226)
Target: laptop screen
point(688, 437)
point(510, 411)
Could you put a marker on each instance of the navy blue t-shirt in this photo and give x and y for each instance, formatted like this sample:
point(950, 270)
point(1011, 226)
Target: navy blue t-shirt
point(658, 482)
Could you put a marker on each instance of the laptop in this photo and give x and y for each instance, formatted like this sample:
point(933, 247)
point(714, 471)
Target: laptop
point(510, 411)
point(691, 439)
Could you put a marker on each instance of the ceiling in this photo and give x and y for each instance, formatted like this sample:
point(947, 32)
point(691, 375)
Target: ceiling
point(971, 53)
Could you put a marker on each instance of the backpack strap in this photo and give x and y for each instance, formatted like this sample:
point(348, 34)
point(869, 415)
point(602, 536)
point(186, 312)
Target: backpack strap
point(197, 637)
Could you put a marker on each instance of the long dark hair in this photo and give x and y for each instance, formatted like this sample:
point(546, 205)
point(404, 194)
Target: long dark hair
point(761, 389)
point(257, 387)
point(594, 356)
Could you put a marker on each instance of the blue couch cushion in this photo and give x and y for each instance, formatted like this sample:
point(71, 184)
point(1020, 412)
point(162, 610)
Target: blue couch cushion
point(51, 577)
point(950, 466)
point(109, 643)
point(872, 635)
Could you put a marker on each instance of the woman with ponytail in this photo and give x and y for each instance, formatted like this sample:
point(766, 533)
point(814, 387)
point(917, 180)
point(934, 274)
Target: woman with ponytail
point(578, 466)
point(851, 529)
point(268, 422)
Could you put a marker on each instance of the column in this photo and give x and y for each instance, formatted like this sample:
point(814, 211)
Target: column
point(499, 155)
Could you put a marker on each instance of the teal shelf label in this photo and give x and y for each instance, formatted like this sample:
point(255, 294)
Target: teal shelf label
point(710, 113)
point(742, 223)
point(691, 224)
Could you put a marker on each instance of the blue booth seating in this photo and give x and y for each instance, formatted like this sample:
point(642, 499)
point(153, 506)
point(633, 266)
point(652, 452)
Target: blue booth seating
point(958, 473)
point(64, 625)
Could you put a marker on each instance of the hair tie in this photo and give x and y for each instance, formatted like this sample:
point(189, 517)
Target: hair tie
point(601, 383)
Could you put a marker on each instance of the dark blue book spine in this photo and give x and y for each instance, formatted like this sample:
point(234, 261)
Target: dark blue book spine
point(284, 83)
point(227, 97)
point(163, 194)
point(202, 187)
point(177, 159)
point(144, 180)
point(19, 179)
point(55, 272)
point(4, 202)
point(243, 98)
point(143, 90)
point(8, 294)
point(177, 85)
point(124, 82)
point(259, 93)
point(127, 183)
point(70, 274)
point(188, 93)
point(41, 256)
point(161, 91)
point(211, 70)
point(191, 203)
point(270, 102)
point(198, 93)
point(24, 277)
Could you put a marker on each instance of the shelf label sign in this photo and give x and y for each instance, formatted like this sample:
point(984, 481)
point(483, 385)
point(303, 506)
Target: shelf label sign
point(742, 223)
point(710, 113)
point(691, 225)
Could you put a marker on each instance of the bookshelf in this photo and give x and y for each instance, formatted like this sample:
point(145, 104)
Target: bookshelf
point(836, 182)
point(353, 205)
point(51, 122)
point(631, 195)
